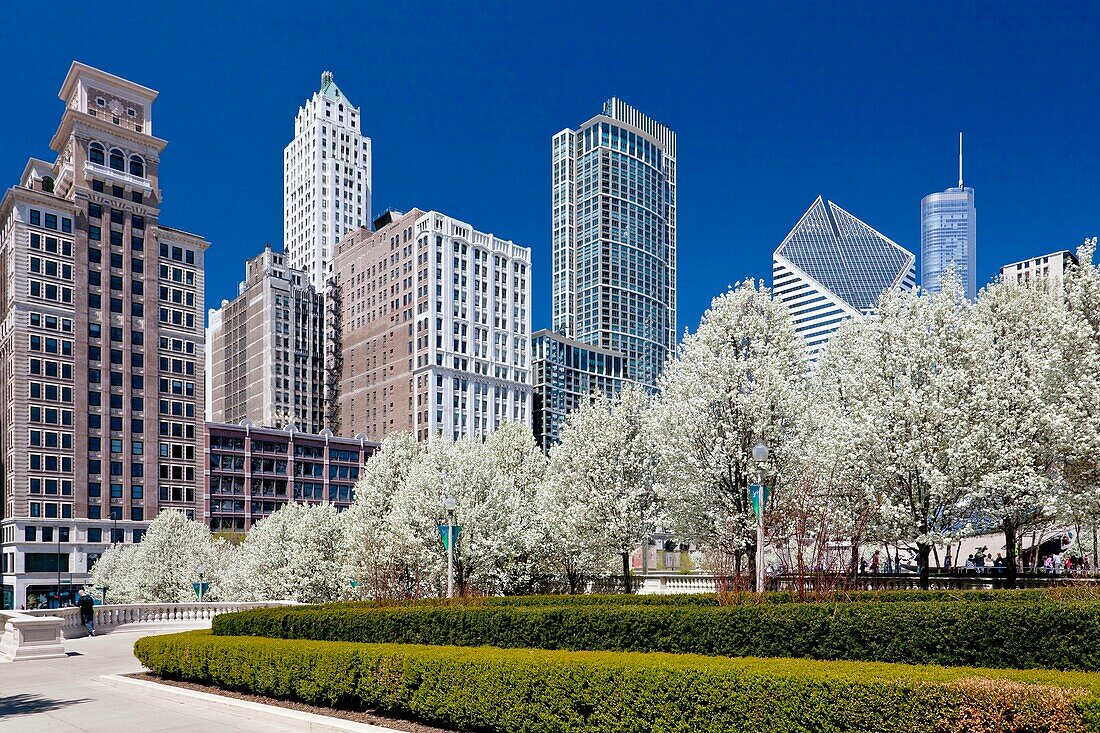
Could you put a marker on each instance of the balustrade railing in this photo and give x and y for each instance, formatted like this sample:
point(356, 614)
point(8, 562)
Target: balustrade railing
point(113, 616)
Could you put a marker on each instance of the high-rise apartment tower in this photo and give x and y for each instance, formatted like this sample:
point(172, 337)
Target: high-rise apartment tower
point(614, 237)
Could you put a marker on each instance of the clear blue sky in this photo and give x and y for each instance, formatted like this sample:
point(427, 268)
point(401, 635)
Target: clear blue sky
point(773, 103)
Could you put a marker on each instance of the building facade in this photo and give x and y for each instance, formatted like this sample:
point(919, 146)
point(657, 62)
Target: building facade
point(832, 267)
point(566, 373)
point(948, 236)
point(253, 471)
point(1051, 267)
point(326, 180)
point(266, 347)
point(614, 237)
point(101, 344)
point(430, 328)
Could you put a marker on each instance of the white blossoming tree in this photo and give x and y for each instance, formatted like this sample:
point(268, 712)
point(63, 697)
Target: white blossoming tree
point(1017, 386)
point(906, 409)
point(737, 381)
point(163, 567)
point(296, 553)
point(604, 488)
point(370, 548)
point(1078, 409)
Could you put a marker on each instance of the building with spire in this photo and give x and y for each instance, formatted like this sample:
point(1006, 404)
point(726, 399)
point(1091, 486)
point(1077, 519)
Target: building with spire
point(948, 236)
point(326, 181)
point(832, 267)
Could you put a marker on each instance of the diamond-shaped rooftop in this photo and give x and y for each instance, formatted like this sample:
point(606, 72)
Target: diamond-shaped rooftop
point(845, 255)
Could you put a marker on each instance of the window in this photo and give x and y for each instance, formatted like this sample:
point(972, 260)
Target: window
point(95, 534)
point(137, 166)
point(117, 160)
point(94, 511)
point(96, 153)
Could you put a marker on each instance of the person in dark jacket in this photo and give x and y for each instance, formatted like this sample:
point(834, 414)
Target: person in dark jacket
point(87, 611)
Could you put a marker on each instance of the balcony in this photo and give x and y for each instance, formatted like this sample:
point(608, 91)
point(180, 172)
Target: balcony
point(120, 177)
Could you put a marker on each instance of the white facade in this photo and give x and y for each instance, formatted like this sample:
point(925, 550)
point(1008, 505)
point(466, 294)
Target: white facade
point(326, 181)
point(1051, 267)
point(832, 267)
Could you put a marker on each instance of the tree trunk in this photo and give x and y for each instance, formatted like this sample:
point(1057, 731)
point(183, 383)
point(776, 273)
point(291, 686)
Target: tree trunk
point(853, 566)
point(1010, 555)
point(1094, 568)
point(626, 572)
point(923, 551)
point(572, 576)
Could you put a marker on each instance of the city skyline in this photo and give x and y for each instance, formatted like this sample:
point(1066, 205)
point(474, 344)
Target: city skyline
point(879, 144)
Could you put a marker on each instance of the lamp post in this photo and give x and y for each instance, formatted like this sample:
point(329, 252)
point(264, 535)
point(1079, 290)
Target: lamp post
point(202, 585)
point(760, 454)
point(449, 505)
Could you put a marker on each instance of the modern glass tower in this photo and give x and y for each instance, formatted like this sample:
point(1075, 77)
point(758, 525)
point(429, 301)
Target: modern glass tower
point(614, 237)
point(948, 236)
point(832, 267)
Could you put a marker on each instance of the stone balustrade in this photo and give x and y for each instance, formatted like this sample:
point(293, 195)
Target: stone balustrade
point(38, 634)
point(667, 583)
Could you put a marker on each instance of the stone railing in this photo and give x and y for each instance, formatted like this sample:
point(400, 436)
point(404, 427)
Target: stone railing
point(110, 617)
point(667, 583)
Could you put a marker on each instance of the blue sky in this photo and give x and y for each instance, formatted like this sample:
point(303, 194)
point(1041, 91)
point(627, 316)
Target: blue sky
point(774, 104)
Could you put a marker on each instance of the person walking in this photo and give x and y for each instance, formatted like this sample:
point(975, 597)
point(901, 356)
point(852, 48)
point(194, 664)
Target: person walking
point(87, 611)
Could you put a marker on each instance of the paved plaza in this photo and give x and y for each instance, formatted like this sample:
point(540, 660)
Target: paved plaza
point(68, 696)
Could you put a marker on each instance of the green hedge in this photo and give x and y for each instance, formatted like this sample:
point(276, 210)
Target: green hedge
point(1033, 595)
point(1048, 635)
point(527, 691)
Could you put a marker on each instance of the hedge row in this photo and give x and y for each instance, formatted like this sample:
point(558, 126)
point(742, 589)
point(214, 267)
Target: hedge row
point(1032, 595)
point(1049, 635)
point(527, 691)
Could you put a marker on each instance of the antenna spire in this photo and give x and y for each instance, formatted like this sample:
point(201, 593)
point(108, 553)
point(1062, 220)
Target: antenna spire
point(960, 160)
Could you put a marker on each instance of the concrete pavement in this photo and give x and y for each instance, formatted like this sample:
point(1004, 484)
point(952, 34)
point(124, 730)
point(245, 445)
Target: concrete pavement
point(68, 696)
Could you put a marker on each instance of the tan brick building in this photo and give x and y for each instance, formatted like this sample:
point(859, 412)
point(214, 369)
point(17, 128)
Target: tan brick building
point(266, 352)
point(431, 329)
point(101, 344)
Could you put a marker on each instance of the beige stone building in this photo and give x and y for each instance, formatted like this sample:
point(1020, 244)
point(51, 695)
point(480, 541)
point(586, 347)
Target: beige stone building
point(266, 354)
point(101, 344)
point(431, 330)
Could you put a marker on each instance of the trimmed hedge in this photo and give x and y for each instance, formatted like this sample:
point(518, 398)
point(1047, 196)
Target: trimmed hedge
point(527, 691)
point(1047, 635)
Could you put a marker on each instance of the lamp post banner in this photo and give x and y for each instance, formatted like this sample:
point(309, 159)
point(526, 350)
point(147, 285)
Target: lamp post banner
point(443, 533)
point(754, 492)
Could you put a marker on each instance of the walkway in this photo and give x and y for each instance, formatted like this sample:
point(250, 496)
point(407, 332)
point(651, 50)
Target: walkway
point(67, 696)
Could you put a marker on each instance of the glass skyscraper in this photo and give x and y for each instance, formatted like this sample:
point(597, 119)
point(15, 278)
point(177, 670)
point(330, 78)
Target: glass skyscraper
point(614, 237)
point(832, 267)
point(948, 235)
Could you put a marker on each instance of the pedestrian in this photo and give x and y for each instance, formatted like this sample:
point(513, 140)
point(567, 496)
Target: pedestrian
point(999, 565)
point(970, 564)
point(87, 611)
point(947, 561)
point(875, 562)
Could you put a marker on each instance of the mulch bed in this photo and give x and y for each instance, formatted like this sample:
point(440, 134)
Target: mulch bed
point(358, 716)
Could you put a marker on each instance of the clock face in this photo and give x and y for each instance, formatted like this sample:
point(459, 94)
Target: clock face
point(116, 107)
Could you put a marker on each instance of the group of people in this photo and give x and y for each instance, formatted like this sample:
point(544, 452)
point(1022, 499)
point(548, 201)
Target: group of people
point(1059, 564)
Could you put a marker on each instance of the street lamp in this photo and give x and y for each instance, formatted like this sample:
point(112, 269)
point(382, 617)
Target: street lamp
point(449, 505)
point(202, 585)
point(760, 455)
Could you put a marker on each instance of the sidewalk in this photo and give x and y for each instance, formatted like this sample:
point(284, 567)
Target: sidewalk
point(67, 696)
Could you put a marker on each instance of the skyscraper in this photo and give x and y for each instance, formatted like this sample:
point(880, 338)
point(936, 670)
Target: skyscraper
point(948, 236)
point(832, 267)
point(614, 237)
point(267, 349)
point(326, 181)
point(429, 330)
point(101, 344)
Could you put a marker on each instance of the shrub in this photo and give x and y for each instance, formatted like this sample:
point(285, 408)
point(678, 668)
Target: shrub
point(1050, 634)
point(528, 691)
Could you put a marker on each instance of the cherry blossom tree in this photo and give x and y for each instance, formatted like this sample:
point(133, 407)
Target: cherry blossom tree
point(738, 380)
point(604, 492)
